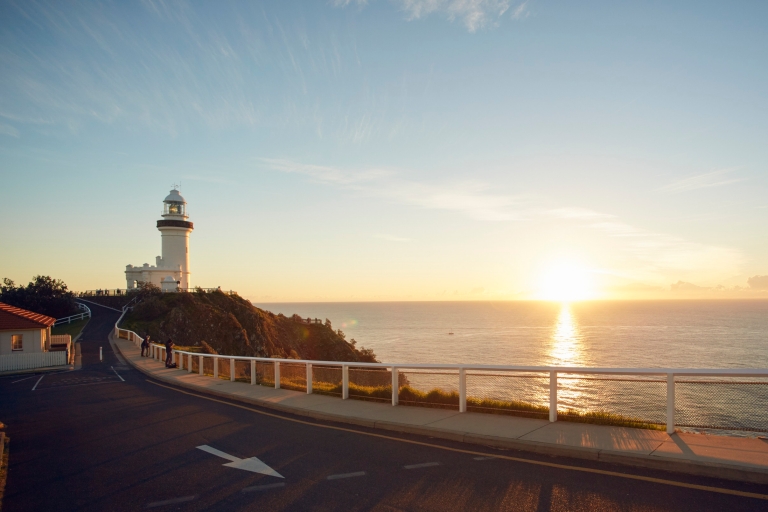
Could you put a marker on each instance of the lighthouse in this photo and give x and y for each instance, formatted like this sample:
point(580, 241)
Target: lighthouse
point(171, 270)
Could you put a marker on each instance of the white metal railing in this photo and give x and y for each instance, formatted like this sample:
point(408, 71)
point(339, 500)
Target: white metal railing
point(157, 351)
point(74, 318)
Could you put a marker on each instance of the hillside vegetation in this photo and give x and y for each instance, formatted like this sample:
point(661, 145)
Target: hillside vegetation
point(230, 325)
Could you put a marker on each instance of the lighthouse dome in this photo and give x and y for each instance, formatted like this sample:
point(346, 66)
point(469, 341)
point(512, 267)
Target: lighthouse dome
point(174, 197)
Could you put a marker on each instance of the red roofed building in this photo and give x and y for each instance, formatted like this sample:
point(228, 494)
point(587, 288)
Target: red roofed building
point(23, 331)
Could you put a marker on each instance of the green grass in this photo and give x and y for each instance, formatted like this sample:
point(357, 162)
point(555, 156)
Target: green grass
point(438, 398)
point(72, 329)
point(450, 400)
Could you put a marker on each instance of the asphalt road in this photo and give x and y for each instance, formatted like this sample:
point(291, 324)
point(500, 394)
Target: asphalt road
point(108, 438)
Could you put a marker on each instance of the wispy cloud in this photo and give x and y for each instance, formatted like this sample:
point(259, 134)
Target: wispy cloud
point(475, 14)
point(472, 198)
point(655, 255)
point(711, 179)
point(6, 129)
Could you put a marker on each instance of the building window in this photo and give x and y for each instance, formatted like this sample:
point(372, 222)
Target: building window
point(17, 341)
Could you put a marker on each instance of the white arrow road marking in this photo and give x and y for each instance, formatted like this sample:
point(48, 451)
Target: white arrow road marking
point(252, 464)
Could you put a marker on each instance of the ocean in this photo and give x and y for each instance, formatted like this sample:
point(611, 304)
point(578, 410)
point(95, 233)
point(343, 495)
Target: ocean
point(622, 334)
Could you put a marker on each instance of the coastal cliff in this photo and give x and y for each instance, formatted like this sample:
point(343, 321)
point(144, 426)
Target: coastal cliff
point(228, 324)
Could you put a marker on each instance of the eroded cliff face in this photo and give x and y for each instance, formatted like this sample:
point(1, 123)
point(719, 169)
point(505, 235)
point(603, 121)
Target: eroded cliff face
point(231, 325)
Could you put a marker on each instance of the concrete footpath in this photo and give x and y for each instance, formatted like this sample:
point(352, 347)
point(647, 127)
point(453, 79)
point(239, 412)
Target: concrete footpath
point(732, 458)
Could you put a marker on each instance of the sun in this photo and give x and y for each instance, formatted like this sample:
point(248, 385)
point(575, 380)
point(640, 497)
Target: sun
point(566, 282)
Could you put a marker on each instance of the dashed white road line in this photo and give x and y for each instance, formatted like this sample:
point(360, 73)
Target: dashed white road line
point(422, 465)
point(485, 458)
point(346, 475)
point(172, 501)
point(113, 369)
point(38, 382)
point(264, 487)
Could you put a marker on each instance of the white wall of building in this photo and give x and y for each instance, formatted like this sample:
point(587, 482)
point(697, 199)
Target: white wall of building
point(34, 341)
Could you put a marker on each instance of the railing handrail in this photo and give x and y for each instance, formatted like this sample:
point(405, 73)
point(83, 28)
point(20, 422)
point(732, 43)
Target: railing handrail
point(714, 372)
point(78, 316)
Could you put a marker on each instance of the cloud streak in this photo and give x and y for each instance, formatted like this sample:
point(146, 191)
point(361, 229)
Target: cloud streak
point(717, 178)
point(656, 255)
point(474, 14)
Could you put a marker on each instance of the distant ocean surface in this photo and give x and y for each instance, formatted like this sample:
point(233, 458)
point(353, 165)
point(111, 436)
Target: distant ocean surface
point(681, 334)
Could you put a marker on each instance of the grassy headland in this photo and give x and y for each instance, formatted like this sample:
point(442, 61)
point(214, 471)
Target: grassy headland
point(223, 323)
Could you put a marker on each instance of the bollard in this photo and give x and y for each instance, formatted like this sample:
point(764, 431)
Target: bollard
point(215, 367)
point(101, 355)
point(232, 370)
point(462, 390)
point(189, 363)
point(200, 366)
point(309, 378)
point(253, 373)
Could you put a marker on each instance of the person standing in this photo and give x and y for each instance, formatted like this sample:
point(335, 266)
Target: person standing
point(169, 353)
point(145, 346)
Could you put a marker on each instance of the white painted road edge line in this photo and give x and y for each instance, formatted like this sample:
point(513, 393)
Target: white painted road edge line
point(265, 487)
point(346, 475)
point(422, 465)
point(113, 369)
point(38, 382)
point(25, 378)
point(183, 499)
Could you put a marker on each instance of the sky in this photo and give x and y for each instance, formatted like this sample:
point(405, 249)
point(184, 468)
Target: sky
point(391, 149)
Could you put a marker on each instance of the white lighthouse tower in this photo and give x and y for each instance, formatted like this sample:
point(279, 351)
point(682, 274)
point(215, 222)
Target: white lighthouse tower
point(172, 268)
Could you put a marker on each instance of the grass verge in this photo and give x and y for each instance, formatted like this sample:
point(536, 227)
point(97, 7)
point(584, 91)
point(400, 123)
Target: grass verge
point(72, 329)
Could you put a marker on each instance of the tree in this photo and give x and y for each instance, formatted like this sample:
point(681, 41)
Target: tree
point(43, 295)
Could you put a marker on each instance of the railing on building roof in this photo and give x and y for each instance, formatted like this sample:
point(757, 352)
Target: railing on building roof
point(119, 292)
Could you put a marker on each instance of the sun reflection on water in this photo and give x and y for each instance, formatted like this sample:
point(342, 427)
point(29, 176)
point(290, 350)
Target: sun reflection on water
point(565, 348)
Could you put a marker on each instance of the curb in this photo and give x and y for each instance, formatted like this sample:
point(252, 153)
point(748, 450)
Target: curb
point(705, 469)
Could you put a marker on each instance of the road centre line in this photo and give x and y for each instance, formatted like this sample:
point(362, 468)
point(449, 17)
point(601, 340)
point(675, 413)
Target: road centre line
point(673, 483)
point(172, 501)
point(264, 487)
point(113, 369)
point(345, 475)
point(38, 381)
point(422, 465)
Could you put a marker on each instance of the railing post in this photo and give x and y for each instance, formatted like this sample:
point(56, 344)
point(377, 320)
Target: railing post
point(181, 360)
point(309, 378)
point(215, 367)
point(462, 390)
point(553, 396)
point(344, 382)
point(201, 365)
point(253, 372)
point(277, 374)
point(232, 370)
point(189, 363)
point(670, 403)
point(395, 385)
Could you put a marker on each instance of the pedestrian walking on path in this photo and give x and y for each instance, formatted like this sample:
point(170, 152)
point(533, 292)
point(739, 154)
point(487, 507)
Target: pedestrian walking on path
point(145, 346)
point(169, 354)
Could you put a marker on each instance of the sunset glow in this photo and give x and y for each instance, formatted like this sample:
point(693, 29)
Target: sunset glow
point(566, 282)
